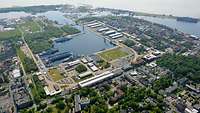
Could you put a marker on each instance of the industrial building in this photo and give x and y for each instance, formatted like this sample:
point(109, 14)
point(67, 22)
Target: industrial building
point(103, 29)
point(94, 68)
point(112, 35)
point(118, 36)
point(110, 32)
point(71, 64)
point(92, 24)
point(99, 78)
point(95, 79)
point(95, 26)
point(85, 74)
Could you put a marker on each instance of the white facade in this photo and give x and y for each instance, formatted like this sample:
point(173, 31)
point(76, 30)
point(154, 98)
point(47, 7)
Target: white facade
point(95, 79)
point(110, 32)
point(103, 29)
point(16, 73)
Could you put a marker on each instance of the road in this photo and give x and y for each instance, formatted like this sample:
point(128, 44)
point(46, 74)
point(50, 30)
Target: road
point(24, 72)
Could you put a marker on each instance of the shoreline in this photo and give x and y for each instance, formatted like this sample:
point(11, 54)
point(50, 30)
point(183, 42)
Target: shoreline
point(136, 13)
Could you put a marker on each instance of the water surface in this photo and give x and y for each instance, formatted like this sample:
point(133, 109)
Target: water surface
point(174, 7)
point(186, 27)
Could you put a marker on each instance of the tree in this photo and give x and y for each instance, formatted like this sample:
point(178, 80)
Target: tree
point(60, 105)
point(182, 66)
point(42, 106)
point(49, 109)
point(81, 68)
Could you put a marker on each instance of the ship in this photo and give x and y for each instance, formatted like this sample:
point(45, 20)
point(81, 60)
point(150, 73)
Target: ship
point(58, 57)
point(187, 19)
point(67, 59)
point(49, 52)
point(61, 40)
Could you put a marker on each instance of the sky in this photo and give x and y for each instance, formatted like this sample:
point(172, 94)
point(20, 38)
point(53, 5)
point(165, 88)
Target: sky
point(174, 7)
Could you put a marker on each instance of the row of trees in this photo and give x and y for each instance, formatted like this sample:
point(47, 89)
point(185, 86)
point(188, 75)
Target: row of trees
point(27, 62)
point(37, 90)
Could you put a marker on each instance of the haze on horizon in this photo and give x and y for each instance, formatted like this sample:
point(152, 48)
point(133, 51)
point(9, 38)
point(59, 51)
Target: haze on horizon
point(174, 7)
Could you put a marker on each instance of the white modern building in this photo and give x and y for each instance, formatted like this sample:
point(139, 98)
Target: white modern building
point(112, 35)
point(96, 79)
point(117, 36)
point(103, 29)
point(16, 73)
point(92, 24)
point(110, 32)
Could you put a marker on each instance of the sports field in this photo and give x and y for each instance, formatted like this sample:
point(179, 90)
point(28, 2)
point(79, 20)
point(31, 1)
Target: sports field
point(113, 54)
point(55, 74)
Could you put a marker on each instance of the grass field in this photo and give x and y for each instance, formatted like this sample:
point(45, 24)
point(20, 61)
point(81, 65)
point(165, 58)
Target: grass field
point(56, 110)
point(13, 34)
point(55, 74)
point(30, 26)
point(113, 54)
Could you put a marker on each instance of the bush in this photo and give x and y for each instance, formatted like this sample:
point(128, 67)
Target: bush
point(129, 43)
point(70, 30)
point(81, 68)
point(27, 62)
point(60, 105)
point(42, 106)
point(57, 99)
point(49, 110)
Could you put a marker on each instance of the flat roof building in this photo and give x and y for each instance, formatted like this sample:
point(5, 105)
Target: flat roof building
point(110, 32)
point(118, 36)
point(16, 73)
point(85, 74)
point(96, 79)
point(95, 26)
point(94, 68)
point(112, 35)
point(77, 107)
point(103, 29)
point(84, 60)
point(92, 24)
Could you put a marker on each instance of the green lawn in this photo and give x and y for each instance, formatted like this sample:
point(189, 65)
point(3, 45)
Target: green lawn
point(10, 34)
point(56, 110)
point(113, 54)
point(30, 26)
point(55, 74)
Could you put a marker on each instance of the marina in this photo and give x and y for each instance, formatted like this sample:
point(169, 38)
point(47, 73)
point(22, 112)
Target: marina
point(82, 44)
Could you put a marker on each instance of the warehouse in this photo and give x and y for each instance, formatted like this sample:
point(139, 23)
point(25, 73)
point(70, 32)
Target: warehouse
point(96, 79)
point(103, 29)
point(93, 24)
point(118, 36)
point(85, 74)
point(112, 35)
point(110, 32)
